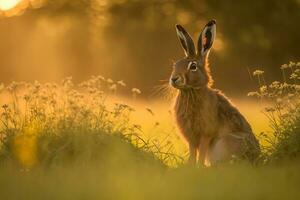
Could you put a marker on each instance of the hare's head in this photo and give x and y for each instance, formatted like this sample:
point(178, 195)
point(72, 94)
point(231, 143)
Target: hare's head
point(192, 71)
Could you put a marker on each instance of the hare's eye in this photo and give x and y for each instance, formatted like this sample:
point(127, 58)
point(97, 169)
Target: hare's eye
point(192, 66)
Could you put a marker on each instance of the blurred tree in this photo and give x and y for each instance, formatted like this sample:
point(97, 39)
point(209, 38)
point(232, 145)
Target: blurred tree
point(110, 36)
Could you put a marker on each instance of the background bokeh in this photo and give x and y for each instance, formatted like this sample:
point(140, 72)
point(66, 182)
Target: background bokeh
point(135, 40)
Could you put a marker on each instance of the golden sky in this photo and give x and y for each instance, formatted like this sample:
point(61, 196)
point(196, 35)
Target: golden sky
point(8, 4)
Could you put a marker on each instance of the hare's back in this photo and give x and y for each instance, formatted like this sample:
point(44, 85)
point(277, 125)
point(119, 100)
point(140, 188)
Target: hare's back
point(230, 117)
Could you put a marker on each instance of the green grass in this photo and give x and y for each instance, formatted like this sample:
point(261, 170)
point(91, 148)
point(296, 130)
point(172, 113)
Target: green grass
point(283, 114)
point(44, 123)
point(61, 141)
point(121, 182)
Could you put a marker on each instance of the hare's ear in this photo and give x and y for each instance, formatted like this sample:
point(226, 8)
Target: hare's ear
point(186, 41)
point(206, 39)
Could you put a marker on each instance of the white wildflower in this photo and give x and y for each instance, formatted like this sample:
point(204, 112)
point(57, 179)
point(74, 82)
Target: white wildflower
point(292, 64)
point(121, 82)
point(263, 89)
point(100, 78)
point(110, 81)
point(294, 76)
point(275, 84)
point(136, 91)
point(253, 94)
point(113, 87)
point(284, 66)
point(258, 72)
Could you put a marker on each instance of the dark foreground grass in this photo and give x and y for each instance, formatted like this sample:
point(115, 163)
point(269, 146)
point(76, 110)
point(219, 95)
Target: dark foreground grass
point(84, 164)
point(123, 182)
point(96, 165)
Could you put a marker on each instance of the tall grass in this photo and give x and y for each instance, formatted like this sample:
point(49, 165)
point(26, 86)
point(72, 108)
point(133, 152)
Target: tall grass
point(283, 113)
point(67, 141)
point(42, 124)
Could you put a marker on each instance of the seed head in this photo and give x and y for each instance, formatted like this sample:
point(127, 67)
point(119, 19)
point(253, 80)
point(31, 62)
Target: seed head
point(258, 72)
point(136, 91)
point(110, 81)
point(284, 66)
point(121, 82)
point(113, 87)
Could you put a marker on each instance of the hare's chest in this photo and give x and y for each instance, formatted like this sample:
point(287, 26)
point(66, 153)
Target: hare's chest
point(197, 120)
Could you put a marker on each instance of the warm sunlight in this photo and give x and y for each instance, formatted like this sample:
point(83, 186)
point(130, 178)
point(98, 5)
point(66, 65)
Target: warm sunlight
point(8, 4)
point(149, 99)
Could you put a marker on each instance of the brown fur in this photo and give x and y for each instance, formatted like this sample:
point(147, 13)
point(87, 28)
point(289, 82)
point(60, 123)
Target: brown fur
point(206, 114)
point(210, 123)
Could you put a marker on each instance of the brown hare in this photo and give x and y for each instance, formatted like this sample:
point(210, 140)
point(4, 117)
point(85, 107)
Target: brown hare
point(213, 127)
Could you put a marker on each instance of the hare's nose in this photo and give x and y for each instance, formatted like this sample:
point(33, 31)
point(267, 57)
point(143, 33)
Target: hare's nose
point(174, 79)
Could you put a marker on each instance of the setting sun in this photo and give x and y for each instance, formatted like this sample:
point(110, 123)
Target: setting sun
point(8, 4)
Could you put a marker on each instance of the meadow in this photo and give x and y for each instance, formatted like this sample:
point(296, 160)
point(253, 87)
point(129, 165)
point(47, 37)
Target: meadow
point(89, 141)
